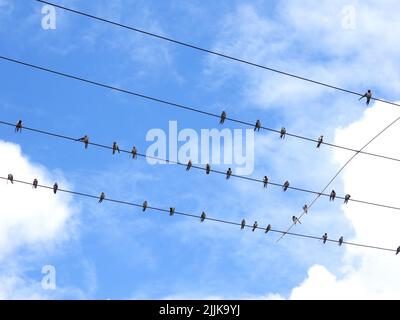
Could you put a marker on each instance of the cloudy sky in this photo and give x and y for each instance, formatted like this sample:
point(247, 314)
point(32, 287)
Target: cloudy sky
point(109, 251)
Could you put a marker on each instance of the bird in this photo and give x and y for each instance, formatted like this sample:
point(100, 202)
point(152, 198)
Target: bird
point(295, 220)
point(203, 216)
point(340, 240)
point(55, 187)
point(283, 133)
point(346, 198)
point(229, 173)
point(171, 211)
point(115, 147)
point(18, 126)
point(257, 127)
point(255, 225)
point(189, 165)
point(242, 224)
point(223, 117)
point(208, 168)
point(268, 228)
point(398, 250)
point(10, 178)
point(320, 141)
point(325, 237)
point(134, 152)
point(102, 197)
point(367, 95)
point(265, 181)
point(144, 206)
point(332, 195)
point(285, 185)
point(85, 140)
point(305, 208)
point(35, 183)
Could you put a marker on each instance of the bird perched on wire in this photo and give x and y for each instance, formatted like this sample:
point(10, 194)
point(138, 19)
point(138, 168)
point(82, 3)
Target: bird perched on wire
point(102, 197)
point(265, 181)
point(268, 228)
point(35, 183)
point(171, 211)
point(295, 220)
point(115, 147)
point(242, 224)
point(228, 173)
point(332, 196)
point(55, 187)
point(340, 240)
point(18, 126)
point(223, 117)
point(255, 225)
point(144, 206)
point(134, 153)
point(257, 127)
point(85, 140)
point(346, 198)
point(398, 250)
point(10, 178)
point(367, 95)
point(320, 141)
point(283, 133)
point(189, 165)
point(208, 168)
point(203, 216)
point(305, 208)
point(285, 185)
point(325, 237)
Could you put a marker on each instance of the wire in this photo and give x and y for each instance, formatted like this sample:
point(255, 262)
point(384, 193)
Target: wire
point(82, 194)
point(187, 107)
point(65, 137)
point(185, 44)
point(340, 170)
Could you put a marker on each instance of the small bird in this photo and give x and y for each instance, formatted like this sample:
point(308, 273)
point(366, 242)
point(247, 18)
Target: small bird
point(115, 147)
point(208, 168)
point(10, 178)
point(367, 95)
point(35, 183)
point(228, 173)
point(223, 117)
point(242, 224)
point(320, 141)
point(203, 216)
point(102, 197)
point(189, 165)
point(398, 250)
point(283, 133)
point(171, 211)
point(346, 198)
point(85, 140)
point(325, 237)
point(255, 225)
point(144, 206)
point(332, 196)
point(295, 220)
point(257, 126)
point(134, 153)
point(305, 208)
point(18, 126)
point(55, 188)
point(285, 185)
point(340, 240)
point(268, 228)
point(265, 181)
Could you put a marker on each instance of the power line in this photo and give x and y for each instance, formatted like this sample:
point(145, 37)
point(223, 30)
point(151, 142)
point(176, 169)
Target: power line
point(188, 108)
point(191, 215)
point(341, 169)
point(65, 137)
point(192, 46)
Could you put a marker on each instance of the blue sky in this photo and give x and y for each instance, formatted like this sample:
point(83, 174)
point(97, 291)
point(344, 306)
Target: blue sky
point(117, 252)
